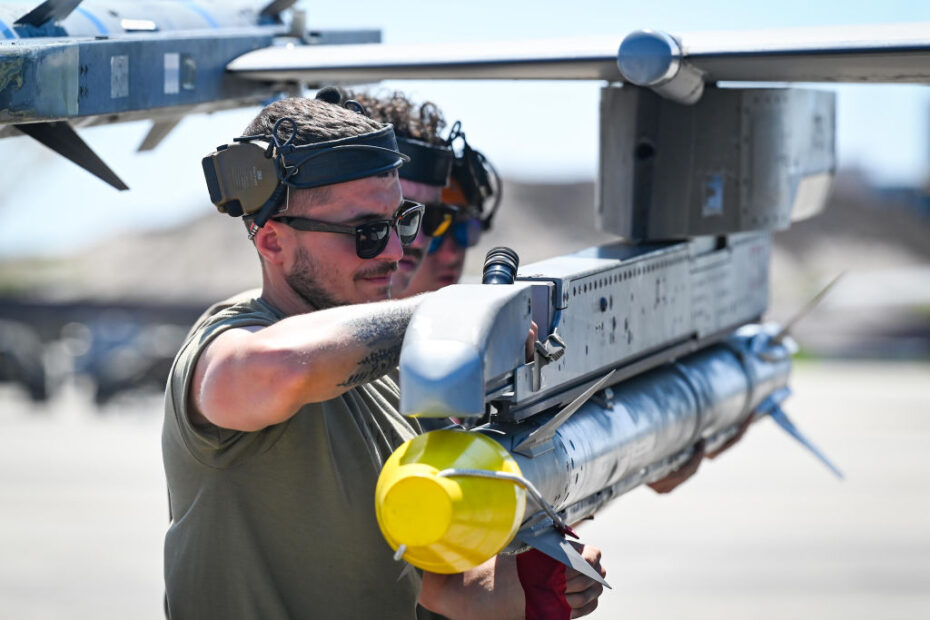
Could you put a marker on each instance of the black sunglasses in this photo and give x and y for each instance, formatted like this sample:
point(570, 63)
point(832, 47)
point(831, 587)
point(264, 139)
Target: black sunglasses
point(370, 237)
point(437, 218)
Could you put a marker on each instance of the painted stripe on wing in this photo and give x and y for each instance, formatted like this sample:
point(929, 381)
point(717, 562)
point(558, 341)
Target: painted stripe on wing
point(7, 31)
point(99, 25)
point(203, 13)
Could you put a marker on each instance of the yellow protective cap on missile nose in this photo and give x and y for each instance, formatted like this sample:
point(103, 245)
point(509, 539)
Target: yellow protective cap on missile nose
point(417, 508)
point(448, 524)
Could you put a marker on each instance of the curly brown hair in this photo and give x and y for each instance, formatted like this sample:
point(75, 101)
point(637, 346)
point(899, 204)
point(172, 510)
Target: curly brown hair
point(420, 122)
point(317, 121)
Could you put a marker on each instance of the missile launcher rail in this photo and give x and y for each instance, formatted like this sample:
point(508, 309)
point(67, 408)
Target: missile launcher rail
point(621, 306)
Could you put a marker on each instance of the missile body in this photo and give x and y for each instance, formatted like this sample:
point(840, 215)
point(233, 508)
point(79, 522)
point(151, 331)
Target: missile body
point(648, 425)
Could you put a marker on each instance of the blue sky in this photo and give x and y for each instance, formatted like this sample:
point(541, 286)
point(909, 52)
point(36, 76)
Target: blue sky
point(49, 206)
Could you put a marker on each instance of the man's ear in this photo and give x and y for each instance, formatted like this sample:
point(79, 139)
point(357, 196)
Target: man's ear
point(270, 244)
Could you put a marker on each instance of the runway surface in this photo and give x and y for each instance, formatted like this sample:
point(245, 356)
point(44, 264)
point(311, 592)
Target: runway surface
point(764, 531)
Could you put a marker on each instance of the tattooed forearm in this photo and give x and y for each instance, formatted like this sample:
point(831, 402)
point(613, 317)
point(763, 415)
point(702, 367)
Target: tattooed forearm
point(374, 365)
point(388, 327)
point(382, 335)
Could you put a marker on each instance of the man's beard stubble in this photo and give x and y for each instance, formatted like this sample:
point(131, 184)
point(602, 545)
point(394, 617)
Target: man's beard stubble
point(304, 280)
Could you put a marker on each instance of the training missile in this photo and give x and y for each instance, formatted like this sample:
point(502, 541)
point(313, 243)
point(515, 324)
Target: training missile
point(455, 498)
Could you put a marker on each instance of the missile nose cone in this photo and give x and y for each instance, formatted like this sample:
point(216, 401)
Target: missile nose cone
point(648, 58)
point(447, 523)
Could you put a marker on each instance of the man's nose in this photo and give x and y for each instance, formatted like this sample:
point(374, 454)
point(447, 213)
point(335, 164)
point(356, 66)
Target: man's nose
point(394, 250)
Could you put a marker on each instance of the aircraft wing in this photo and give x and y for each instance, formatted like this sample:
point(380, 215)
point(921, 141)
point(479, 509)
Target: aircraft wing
point(886, 53)
point(592, 58)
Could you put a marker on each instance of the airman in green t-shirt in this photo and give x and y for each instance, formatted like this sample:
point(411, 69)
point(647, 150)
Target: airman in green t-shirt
point(279, 413)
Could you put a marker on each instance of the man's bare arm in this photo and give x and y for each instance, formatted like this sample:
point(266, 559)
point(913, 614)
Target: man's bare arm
point(493, 591)
point(248, 379)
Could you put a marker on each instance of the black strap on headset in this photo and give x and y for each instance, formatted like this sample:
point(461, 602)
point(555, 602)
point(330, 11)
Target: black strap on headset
point(429, 164)
point(333, 161)
point(478, 178)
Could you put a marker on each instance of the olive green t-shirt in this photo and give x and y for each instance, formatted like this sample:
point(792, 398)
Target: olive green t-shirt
point(280, 523)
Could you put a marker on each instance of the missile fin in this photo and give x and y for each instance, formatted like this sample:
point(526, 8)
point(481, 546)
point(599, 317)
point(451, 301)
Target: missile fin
point(545, 432)
point(49, 10)
point(64, 140)
point(558, 548)
point(406, 571)
point(803, 312)
point(274, 9)
point(158, 132)
point(783, 421)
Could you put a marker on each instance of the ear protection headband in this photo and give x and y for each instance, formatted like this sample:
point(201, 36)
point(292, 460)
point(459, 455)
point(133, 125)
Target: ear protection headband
point(249, 176)
point(429, 164)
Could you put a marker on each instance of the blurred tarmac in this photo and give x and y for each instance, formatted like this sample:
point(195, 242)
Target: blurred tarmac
point(763, 532)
